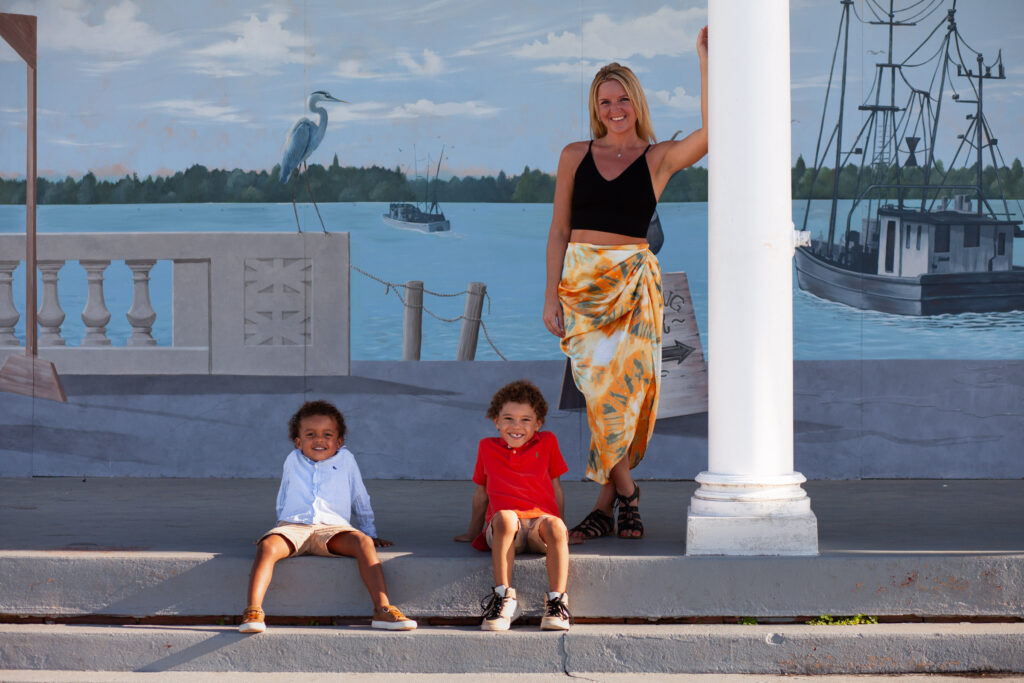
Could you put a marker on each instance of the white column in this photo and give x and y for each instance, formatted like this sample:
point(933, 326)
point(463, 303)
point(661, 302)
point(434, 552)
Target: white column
point(750, 501)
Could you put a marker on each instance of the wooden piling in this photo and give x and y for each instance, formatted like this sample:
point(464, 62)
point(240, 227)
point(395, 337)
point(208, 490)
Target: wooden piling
point(412, 322)
point(471, 321)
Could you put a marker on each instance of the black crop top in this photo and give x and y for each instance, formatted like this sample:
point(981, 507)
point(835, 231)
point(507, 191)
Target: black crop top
point(623, 205)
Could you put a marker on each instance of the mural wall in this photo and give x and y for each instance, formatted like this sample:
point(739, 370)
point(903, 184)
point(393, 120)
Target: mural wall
point(181, 120)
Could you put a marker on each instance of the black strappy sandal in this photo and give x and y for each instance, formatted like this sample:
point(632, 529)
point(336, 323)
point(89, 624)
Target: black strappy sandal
point(629, 515)
point(594, 525)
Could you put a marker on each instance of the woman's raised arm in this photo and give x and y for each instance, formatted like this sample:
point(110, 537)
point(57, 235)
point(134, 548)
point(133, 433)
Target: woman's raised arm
point(674, 155)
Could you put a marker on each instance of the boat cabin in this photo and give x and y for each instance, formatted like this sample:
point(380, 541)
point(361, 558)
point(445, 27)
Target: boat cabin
point(912, 243)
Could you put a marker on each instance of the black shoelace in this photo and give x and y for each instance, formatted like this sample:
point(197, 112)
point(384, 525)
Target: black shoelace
point(557, 608)
point(491, 605)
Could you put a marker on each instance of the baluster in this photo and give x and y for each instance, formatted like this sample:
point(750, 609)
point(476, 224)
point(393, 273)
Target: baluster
point(51, 315)
point(95, 315)
point(141, 315)
point(9, 315)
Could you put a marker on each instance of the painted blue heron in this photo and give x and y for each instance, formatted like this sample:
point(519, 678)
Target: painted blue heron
point(303, 138)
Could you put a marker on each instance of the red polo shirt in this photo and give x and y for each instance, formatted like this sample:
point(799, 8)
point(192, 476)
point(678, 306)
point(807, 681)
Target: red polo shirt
point(520, 478)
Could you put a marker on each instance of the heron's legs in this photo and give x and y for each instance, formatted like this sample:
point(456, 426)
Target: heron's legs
point(295, 208)
point(310, 188)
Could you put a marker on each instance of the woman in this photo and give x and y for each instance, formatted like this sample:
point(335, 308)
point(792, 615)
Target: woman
point(603, 295)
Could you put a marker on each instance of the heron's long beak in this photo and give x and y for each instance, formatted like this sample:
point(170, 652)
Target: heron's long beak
point(335, 99)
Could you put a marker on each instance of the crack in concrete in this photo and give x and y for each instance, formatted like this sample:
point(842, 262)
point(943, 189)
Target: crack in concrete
point(563, 646)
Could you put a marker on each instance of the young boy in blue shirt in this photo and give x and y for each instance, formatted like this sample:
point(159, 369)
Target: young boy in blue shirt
point(320, 488)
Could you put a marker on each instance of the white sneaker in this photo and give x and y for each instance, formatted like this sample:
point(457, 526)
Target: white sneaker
point(500, 610)
point(556, 613)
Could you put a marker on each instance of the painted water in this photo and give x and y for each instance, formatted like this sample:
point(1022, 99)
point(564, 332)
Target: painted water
point(501, 245)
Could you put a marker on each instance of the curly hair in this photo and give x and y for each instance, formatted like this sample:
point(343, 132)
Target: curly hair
point(311, 408)
point(520, 391)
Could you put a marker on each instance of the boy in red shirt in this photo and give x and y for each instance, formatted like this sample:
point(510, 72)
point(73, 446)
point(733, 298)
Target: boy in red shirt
point(517, 485)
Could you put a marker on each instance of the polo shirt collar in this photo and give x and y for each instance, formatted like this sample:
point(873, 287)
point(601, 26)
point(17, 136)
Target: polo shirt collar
point(535, 439)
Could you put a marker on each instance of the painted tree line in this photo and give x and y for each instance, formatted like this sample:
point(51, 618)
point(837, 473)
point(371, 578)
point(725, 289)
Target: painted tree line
point(333, 183)
point(1011, 179)
point(337, 183)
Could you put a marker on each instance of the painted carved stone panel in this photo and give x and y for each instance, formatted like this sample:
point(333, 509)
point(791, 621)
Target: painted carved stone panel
point(277, 301)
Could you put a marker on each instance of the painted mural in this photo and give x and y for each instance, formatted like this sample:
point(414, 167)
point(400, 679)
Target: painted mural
point(427, 135)
point(352, 117)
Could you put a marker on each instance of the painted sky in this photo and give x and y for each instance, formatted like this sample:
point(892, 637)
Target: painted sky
point(152, 86)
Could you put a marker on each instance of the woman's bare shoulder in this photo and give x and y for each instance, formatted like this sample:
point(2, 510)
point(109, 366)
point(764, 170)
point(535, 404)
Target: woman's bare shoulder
point(572, 155)
point(576, 149)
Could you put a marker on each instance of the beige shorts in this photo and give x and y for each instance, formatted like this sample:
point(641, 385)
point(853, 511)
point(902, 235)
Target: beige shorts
point(309, 539)
point(527, 537)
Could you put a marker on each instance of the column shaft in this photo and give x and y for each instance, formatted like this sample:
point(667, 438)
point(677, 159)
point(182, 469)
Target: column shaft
point(750, 500)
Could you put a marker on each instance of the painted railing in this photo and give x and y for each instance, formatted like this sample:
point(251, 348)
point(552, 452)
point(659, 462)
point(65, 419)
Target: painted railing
point(241, 303)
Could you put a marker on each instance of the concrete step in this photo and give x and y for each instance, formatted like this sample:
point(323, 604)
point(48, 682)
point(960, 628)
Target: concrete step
point(172, 548)
point(53, 676)
point(148, 584)
point(876, 649)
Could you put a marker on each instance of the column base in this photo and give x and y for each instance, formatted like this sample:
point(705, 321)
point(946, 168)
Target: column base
point(733, 515)
point(752, 535)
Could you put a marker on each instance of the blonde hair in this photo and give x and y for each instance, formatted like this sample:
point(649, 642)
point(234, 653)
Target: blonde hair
point(625, 77)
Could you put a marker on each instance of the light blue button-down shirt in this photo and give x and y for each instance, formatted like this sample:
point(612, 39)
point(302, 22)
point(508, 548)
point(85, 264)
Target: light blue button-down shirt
point(325, 492)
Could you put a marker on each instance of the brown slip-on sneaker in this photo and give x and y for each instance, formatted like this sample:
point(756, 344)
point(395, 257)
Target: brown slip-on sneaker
point(252, 621)
point(391, 618)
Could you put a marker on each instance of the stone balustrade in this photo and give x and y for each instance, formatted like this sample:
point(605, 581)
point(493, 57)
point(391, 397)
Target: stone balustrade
point(241, 303)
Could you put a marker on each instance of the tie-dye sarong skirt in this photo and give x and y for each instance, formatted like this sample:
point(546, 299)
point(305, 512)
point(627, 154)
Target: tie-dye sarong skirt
point(612, 305)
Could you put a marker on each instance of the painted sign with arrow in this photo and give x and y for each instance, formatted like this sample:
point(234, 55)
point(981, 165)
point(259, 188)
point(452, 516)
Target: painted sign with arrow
point(684, 372)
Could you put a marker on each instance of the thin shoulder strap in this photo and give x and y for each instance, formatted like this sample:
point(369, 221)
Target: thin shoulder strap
point(589, 146)
point(645, 150)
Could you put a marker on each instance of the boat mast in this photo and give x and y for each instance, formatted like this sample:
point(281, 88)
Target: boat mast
point(839, 126)
point(978, 124)
point(950, 29)
point(983, 74)
point(891, 115)
point(437, 174)
point(415, 165)
point(426, 187)
point(884, 135)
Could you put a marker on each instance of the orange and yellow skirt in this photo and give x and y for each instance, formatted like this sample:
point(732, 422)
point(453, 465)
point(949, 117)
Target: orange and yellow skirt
point(612, 305)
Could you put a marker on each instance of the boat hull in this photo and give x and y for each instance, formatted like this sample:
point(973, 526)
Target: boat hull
point(426, 226)
point(930, 294)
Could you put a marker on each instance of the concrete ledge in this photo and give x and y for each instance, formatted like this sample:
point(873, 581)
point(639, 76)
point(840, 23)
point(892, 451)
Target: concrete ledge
point(911, 648)
point(141, 547)
point(54, 584)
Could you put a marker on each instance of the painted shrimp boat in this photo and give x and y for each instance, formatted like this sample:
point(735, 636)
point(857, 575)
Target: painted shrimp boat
point(408, 215)
point(925, 245)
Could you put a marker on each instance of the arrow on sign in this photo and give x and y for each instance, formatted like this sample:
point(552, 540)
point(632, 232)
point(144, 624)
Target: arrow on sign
point(677, 352)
